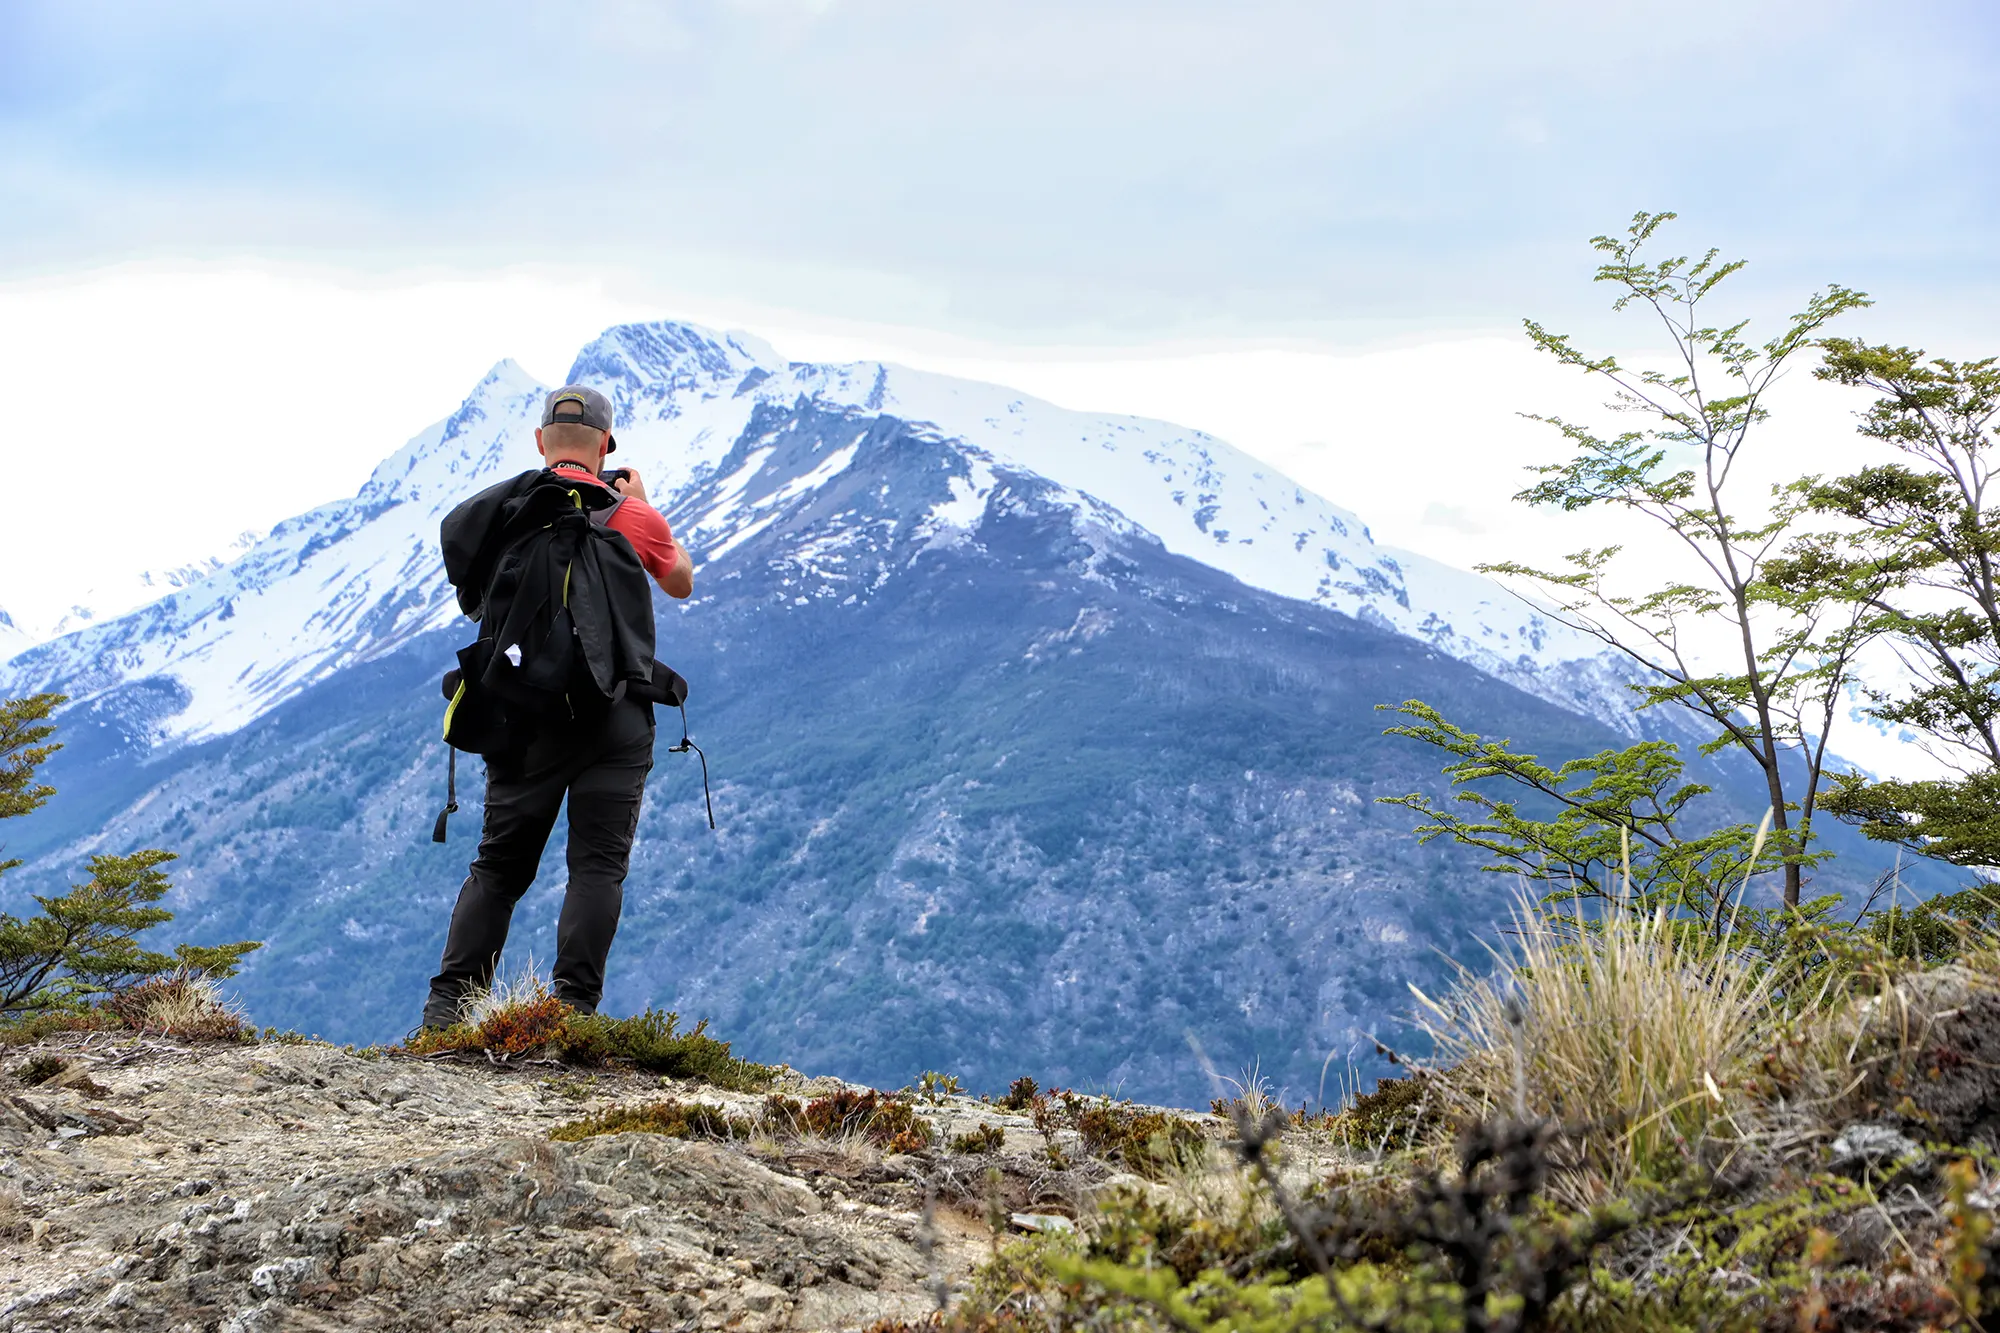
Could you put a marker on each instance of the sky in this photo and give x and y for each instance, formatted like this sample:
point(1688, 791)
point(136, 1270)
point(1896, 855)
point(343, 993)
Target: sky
point(1062, 172)
point(276, 241)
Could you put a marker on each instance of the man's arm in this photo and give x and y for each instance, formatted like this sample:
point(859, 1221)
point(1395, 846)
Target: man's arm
point(676, 579)
point(679, 581)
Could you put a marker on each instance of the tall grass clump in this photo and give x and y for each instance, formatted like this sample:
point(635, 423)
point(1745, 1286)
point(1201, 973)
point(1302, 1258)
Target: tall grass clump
point(1627, 1031)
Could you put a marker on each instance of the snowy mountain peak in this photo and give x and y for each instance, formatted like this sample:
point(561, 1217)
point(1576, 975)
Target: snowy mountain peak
point(475, 441)
point(643, 367)
point(506, 379)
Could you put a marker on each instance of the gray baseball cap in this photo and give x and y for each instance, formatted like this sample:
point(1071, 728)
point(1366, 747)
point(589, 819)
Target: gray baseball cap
point(573, 404)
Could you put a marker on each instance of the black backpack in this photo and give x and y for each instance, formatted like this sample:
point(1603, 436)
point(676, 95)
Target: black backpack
point(565, 615)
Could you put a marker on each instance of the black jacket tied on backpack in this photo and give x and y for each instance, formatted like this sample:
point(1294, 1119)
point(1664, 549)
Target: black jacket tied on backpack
point(565, 610)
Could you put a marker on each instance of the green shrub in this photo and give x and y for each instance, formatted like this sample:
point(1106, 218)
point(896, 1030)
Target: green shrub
point(883, 1119)
point(652, 1041)
point(1136, 1228)
point(985, 1139)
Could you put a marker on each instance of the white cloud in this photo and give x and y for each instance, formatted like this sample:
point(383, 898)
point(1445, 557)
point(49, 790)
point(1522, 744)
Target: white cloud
point(153, 414)
point(1110, 169)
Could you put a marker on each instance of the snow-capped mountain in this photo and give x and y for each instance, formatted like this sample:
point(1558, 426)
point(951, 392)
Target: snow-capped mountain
point(100, 602)
point(1038, 739)
point(353, 580)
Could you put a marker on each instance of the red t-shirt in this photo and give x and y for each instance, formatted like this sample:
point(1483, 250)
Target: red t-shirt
point(638, 522)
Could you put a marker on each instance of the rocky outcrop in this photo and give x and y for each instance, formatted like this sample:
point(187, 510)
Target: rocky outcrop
point(303, 1186)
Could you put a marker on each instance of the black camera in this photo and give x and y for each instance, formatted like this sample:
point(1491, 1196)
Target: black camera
point(615, 475)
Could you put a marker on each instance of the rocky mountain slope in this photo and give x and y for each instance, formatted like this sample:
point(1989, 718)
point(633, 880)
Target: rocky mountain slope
point(155, 1185)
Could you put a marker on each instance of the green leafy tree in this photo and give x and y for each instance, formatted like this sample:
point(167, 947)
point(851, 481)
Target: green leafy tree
point(24, 748)
point(84, 942)
point(1791, 647)
point(1619, 828)
point(1921, 555)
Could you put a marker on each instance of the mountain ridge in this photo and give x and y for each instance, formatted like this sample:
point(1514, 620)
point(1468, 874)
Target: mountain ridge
point(356, 577)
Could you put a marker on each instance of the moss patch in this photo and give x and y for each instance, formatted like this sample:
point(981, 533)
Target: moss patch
point(40, 1070)
point(675, 1119)
point(53, 1022)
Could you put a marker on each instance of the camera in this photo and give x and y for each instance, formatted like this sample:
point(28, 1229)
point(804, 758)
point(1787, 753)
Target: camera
point(615, 475)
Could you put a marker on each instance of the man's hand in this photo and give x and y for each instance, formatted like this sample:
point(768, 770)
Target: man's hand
point(629, 484)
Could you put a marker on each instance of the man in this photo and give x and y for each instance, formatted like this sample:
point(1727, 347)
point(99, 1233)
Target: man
point(600, 765)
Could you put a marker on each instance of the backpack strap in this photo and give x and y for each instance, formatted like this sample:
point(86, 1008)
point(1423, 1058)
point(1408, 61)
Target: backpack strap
point(450, 793)
point(602, 517)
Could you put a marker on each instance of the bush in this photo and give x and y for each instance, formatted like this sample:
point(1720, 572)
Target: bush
point(530, 1019)
point(1149, 1142)
point(38, 1026)
point(1020, 1095)
point(985, 1139)
point(1399, 1113)
point(888, 1121)
point(186, 1003)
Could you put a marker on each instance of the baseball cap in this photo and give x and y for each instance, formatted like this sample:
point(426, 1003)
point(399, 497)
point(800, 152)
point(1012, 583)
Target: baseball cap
point(574, 405)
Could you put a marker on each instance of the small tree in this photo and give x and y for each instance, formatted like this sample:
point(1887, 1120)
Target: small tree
point(85, 942)
point(1619, 830)
point(1793, 646)
point(1922, 556)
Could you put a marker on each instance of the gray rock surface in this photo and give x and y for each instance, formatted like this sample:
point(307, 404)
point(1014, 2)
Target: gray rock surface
point(276, 1187)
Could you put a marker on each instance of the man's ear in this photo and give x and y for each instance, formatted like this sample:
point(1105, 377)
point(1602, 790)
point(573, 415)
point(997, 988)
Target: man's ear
point(538, 443)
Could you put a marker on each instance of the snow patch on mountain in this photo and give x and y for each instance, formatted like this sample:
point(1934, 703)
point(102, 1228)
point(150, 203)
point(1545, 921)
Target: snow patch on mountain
point(1204, 499)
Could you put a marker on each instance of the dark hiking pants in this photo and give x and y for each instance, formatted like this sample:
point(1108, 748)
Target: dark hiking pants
point(602, 769)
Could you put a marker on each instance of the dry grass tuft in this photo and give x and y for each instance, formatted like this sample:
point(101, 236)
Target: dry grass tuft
point(526, 989)
point(185, 1003)
point(1618, 1026)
